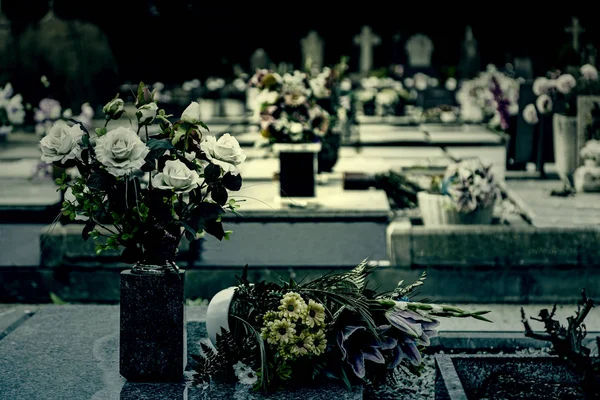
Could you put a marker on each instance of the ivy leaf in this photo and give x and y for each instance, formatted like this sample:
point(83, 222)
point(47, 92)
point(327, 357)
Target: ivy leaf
point(212, 173)
point(215, 229)
point(87, 229)
point(232, 182)
point(219, 194)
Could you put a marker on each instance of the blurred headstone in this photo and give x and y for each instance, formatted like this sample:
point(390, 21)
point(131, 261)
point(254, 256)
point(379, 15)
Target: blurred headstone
point(575, 30)
point(523, 68)
point(259, 60)
point(74, 55)
point(419, 49)
point(312, 51)
point(470, 61)
point(366, 40)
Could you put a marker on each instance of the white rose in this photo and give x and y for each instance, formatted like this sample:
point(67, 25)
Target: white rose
point(451, 84)
point(176, 176)
point(589, 72)
point(121, 151)
point(565, 83)
point(530, 114)
point(192, 113)
point(114, 108)
point(147, 113)
point(61, 143)
point(541, 86)
point(544, 104)
point(225, 152)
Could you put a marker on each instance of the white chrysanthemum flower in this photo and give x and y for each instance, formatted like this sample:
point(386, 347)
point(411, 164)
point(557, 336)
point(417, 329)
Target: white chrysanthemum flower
point(565, 83)
point(544, 104)
point(589, 72)
point(530, 114)
point(245, 374)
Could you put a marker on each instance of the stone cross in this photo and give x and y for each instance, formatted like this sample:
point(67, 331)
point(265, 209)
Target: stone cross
point(366, 40)
point(575, 29)
point(312, 51)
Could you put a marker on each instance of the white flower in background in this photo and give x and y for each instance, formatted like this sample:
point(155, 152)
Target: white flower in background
point(447, 116)
point(176, 176)
point(68, 113)
point(371, 82)
point(491, 68)
point(451, 84)
point(387, 97)
point(5, 130)
point(471, 113)
point(589, 72)
point(421, 81)
point(225, 152)
point(366, 95)
point(513, 108)
point(541, 86)
point(295, 92)
point(565, 83)
point(319, 120)
point(213, 84)
point(496, 120)
point(318, 86)
point(147, 113)
point(15, 111)
point(413, 94)
point(121, 151)
point(530, 114)
point(296, 130)
point(6, 92)
point(346, 85)
point(544, 104)
point(191, 114)
point(62, 143)
point(245, 374)
point(158, 86)
point(434, 82)
point(409, 82)
point(591, 151)
point(48, 109)
point(239, 84)
point(188, 86)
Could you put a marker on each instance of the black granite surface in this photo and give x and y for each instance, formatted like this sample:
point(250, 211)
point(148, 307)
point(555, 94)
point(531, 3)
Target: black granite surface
point(152, 346)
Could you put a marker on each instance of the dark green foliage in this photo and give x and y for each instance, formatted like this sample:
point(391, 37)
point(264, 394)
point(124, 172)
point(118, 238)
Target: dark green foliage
point(399, 189)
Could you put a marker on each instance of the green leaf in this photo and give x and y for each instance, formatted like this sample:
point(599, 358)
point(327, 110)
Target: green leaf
point(219, 194)
point(159, 144)
point(179, 133)
point(212, 173)
point(100, 131)
point(345, 379)
point(56, 300)
point(232, 182)
point(100, 180)
point(202, 124)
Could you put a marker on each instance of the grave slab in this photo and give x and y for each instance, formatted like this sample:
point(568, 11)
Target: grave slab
point(72, 352)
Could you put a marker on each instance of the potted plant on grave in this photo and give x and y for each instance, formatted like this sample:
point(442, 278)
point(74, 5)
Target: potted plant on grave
point(570, 371)
point(558, 96)
point(12, 111)
point(143, 189)
point(334, 329)
point(293, 124)
point(466, 195)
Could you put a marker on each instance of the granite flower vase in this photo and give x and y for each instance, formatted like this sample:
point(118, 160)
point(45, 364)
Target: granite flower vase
point(329, 154)
point(566, 149)
point(152, 325)
point(298, 166)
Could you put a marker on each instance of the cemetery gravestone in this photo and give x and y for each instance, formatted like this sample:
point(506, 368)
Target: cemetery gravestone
point(575, 30)
point(523, 68)
point(419, 49)
point(312, 51)
point(259, 60)
point(470, 61)
point(366, 40)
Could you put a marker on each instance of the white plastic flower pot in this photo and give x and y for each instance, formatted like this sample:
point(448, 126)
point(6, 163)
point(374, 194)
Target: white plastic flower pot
point(565, 144)
point(439, 210)
point(233, 108)
point(217, 314)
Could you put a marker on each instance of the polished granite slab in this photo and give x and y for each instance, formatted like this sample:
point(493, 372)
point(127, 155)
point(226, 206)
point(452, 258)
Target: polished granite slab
point(71, 352)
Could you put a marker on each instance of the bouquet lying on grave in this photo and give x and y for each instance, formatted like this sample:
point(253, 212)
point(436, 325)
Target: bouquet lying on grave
point(334, 328)
point(142, 190)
